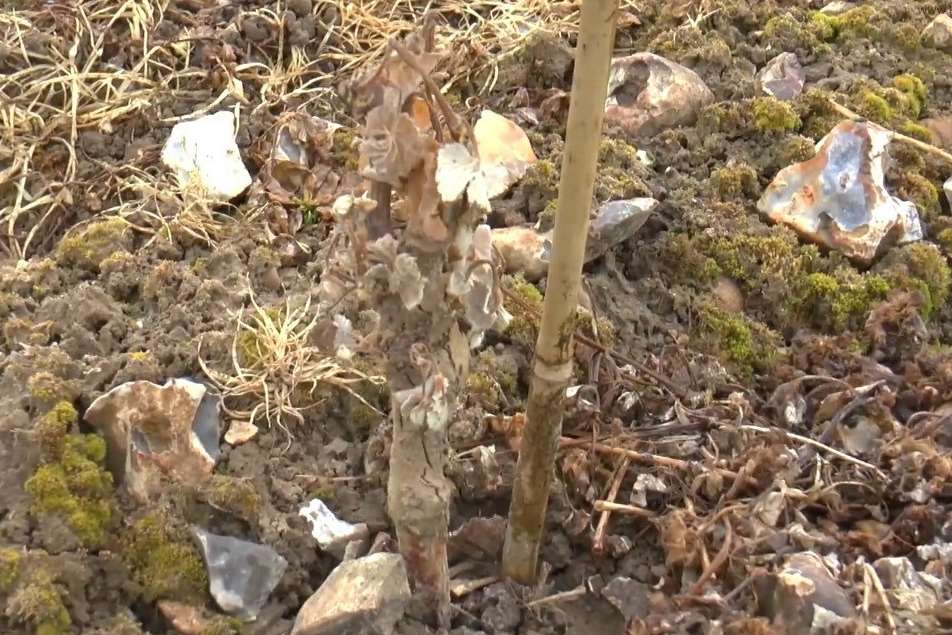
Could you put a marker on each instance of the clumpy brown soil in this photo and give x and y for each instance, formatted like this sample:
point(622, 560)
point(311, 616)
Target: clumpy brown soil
point(737, 344)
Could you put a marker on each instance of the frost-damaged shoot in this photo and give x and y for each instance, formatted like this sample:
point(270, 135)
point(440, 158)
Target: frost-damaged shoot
point(416, 257)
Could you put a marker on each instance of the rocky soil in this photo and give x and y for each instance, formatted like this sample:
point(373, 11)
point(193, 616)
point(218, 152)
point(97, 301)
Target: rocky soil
point(758, 435)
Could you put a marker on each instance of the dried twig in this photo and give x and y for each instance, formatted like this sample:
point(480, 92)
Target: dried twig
point(465, 587)
point(598, 543)
point(837, 453)
point(873, 577)
point(631, 510)
point(716, 563)
point(647, 459)
point(564, 596)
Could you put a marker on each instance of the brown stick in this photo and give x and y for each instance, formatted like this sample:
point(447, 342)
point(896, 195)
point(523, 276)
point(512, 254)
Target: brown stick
point(598, 543)
point(631, 510)
point(648, 459)
point(378, 222)
point(716, 563)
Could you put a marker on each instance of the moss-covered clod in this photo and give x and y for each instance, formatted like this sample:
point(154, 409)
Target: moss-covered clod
point(164, 562)
point(74, 483)
point(40, 603)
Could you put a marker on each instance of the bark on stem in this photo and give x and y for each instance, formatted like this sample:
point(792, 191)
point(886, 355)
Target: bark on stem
point(552, 365)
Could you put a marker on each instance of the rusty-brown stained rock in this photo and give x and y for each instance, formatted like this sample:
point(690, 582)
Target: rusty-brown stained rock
point(525, 250)
point(158, 432)
point(838, 198)
point(240, 431)
point(939, 33)
point(184, 618)
point(366, 595)
point(802, 591)
point(783, 77)
point(648, 93)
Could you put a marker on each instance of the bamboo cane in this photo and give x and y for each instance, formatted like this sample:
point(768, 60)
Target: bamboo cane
point(552, 365)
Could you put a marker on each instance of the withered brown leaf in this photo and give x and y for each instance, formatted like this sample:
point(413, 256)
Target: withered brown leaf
point(392, 145)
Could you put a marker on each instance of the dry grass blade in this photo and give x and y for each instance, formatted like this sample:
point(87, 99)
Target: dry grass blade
point(275, 368)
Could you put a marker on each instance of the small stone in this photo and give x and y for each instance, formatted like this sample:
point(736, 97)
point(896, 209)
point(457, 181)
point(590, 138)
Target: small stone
point(615, 222)
point(331, 533)
point(240, 431)
point(478, 477)
point(947, 187)
point(728, 295)
point(300, 8)
point(939, 33)
point(524, 250)
point(648, 93)
point(478, 539)
point(153, 432)
point(783, 77)
point(908, 589)
point(839, 199)
point(204, 156)
point(383, 543)
point(256, 28)
point(941, 129)
point(629, 596)
point(367, 595)
point(838, 7)
point(184, 618)
point(503, 615)
point(791, 596)
point(242, 574)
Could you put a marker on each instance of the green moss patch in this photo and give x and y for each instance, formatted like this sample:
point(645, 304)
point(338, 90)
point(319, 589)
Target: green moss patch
point(164, 561)
point(40, 603)
point(523, 328)
point(93, 244)
point(74, 483)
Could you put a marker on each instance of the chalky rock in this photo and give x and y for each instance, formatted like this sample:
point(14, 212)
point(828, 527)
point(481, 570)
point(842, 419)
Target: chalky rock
point(801, 594)
point(939, 33)
point(184, 618)
point(204, 156)
point(241, 574)
point(524, 250)
point(947, 188)
point(907, 588)
point(783, 77)
point(615, 222)
point(838, 7)
point(629, 596)
point(331, 533)
point(240, 431)
point(367, 595)
point(648, 93)
point(158, 432)
point(838, 198)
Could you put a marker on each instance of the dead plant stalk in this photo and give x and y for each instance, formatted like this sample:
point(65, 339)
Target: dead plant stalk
point(552, 366)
